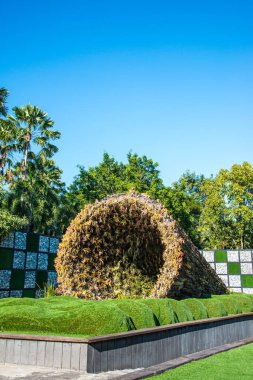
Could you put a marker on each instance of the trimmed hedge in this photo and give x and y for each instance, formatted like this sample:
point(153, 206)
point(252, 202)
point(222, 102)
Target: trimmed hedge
point(214, 307)
point(162, 310)
point(231, 304)
point(142, 316)
point(77, 317)
point(196, 307)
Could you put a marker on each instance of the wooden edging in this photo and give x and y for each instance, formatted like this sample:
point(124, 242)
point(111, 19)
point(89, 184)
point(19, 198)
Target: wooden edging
point(171, 364)
point(102, 338)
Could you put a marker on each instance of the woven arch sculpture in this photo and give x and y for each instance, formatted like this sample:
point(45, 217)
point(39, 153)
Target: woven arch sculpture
point(128, 245)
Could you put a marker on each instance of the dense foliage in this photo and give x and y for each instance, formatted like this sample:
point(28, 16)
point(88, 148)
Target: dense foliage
point(75, 317)
point(30, 179)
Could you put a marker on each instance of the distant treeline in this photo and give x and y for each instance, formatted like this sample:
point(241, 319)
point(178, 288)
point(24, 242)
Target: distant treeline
point(216, 212)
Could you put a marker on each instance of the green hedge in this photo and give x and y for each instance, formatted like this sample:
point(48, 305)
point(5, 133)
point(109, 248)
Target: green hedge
point(76, 317)
point(197, 309)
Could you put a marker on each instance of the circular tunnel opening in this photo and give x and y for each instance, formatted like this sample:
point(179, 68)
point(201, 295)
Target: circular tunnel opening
point(130, 242)
point(112, 249)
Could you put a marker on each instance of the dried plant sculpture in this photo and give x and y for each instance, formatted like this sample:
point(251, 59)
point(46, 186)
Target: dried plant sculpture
point(127, 245)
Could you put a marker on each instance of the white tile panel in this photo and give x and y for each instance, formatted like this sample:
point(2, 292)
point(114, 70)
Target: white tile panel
point(233, 256)
point(224, 278)
point(246, 268)
point(209, 256)
point(221, 268)
point(245, 256)
point(235, 280)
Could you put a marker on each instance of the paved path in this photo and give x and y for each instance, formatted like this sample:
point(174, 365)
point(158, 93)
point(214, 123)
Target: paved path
point(21, 372)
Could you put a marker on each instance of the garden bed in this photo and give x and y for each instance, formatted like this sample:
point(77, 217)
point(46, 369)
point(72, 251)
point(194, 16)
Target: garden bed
point(73, 317)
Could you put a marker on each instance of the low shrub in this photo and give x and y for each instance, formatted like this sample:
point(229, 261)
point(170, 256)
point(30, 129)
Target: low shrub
point(197, 308)
point(71, 316)
point(231, 304)
point(214, 307)
point(181, 311)
point(245, 302)
point(162, 310)
point(140, 314)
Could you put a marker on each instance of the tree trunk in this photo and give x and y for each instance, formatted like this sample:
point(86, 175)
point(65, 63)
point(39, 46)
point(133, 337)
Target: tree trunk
point(27, 146)
point(242, 241)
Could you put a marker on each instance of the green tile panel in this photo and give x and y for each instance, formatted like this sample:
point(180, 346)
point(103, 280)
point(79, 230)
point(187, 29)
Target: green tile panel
point(51, 258)
point(41, 279)
point(32, 242)
point(220, 256)
point(247, 281)
point(17, 279)
point(6, 258)
point(234, 268)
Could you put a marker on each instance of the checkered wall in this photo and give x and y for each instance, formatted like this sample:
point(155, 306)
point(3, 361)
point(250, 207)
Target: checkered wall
point(26, 264)
point(233, 267)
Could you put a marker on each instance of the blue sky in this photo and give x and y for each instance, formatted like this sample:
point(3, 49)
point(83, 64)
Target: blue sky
point(169, 79)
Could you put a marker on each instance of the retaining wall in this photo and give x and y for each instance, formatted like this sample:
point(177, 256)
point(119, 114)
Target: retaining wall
point(133, 349)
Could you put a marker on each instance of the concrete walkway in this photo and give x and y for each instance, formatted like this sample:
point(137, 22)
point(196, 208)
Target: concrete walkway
point(21, 372)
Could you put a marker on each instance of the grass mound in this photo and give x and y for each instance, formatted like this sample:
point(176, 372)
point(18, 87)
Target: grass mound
point(63, 317)
point(181, 311)
point(231, 304)
point(162, 310)
point(214, 307)
point(140, 314)
point(245, 302)
point(197, 308)
point(78, 317)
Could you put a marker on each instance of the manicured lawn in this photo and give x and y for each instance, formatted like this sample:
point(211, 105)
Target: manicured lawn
point(69, 316)
point(235, 364)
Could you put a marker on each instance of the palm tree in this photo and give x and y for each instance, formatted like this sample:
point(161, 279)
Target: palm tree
point(36, 196)
point(3, 96)
point(34, 128)
point(8, 147)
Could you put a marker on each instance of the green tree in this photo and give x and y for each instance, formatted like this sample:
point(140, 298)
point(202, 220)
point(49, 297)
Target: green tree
point(3, 96)
point(227, 217)
point(185, 201)
point(142, 174)
point(191, 184)
point(111, 177)
point(33, 179)
point(8, 221)
point(33, 131)
point(184, 209)
point(38, 196)
point(9, 145)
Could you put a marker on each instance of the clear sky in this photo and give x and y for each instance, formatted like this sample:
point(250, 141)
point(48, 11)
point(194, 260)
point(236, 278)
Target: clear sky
point(171, 79)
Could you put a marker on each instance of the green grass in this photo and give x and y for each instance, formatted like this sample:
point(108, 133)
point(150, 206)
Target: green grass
point(229, 365)
point(76, 317)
